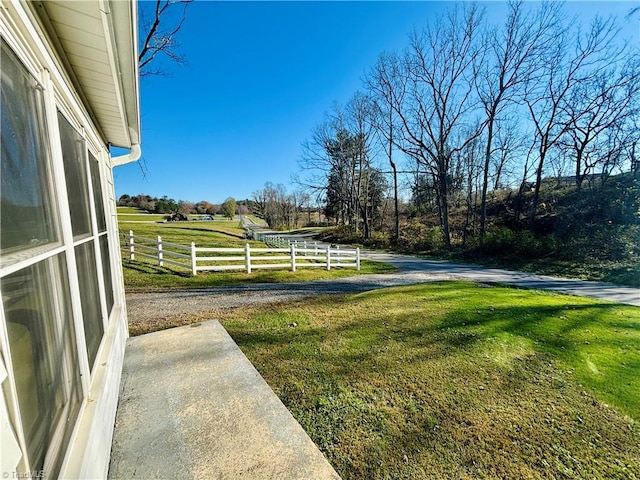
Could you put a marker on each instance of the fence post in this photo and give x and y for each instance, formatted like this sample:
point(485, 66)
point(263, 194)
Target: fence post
point(293, 258)
point(247, 250)
point(160, 262)
point(329, 257)
point(358, 258)
point(194, 266)
point(132, 254)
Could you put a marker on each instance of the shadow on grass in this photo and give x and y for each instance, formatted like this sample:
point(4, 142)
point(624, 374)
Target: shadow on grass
point(589, 339)
point(149, 269)
point(484, 389)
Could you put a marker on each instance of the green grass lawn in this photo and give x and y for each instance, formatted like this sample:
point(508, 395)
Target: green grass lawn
point(214, 234)
point(456, 380)
point(129, 210)
point(143, 217)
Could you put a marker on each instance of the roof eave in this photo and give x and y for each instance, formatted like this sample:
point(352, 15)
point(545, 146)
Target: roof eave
point(107, 80)
point(123, 21)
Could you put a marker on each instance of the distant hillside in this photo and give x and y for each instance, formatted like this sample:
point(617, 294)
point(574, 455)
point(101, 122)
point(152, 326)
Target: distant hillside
point(592, 232)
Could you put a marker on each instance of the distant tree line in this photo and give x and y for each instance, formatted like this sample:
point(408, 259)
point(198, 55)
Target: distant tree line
point(467, 111)
point(279, 208)
point(166, 205)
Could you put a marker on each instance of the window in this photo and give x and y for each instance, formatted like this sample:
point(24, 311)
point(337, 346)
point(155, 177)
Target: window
point(43, 352)
point(78, 165)
point(94, 167)
point(106, 270)
point(27, 204)
point(101, 222)
point(74, 154)
point(90, 298)
point(54, 231)
point(35, 293)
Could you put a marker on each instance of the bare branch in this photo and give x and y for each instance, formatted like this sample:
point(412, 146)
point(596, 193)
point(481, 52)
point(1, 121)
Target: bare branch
point(159, 36)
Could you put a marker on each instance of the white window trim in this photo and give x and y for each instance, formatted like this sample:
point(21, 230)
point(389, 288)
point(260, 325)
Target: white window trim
point(11, 395)
point(67, 233)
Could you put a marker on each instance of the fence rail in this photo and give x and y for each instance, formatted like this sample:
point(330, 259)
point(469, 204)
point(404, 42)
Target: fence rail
point(200, 259)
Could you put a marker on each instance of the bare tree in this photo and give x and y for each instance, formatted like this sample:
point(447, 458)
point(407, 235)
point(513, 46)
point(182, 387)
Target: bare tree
point(509, 146)
point(385, 82)
point(302, 201)
point(359, 114)
point(439, 99)
point(513, 55)
point(158, 34)
point(335, 157)
point(469, 168)
point(277, 207)
point(632, 139)
point(563, 69)
point(596, 109)
point(325, 162)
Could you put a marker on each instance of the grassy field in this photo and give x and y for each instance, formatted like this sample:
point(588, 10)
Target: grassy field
point(142, 217)
point(129, 210)
point(456, 380)
point(142, 274)
point(218, 233)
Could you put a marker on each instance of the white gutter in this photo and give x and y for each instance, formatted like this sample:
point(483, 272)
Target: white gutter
point(132, 156)
point(115, 15)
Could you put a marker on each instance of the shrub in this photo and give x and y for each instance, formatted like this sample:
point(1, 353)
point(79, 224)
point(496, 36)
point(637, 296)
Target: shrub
point(504, 241)
point(378, 240)
point(417, 237)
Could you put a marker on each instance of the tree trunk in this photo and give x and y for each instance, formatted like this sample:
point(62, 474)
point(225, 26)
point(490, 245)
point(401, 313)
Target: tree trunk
point(396, 210)
point(536, 192)
point(579, 176)
point(485, 176)
point(444, 209)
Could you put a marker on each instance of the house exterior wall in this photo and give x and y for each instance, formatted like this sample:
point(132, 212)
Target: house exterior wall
point(63, 322)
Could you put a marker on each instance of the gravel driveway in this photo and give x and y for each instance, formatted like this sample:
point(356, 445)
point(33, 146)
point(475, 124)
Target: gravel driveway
point(175, 306)
point(162, 306)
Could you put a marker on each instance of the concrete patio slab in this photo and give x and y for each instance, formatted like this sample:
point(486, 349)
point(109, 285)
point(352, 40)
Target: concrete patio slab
point(193, 406)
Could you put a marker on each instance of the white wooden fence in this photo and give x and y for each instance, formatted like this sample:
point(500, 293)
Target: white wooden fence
point(247, 258)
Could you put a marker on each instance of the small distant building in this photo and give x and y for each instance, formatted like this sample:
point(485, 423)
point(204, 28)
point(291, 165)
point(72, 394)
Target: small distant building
point(69, 93)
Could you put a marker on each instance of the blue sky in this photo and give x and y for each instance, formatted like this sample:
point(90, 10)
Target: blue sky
point(259, 76)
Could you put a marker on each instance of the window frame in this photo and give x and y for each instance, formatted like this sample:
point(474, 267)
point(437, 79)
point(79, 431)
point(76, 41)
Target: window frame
point(21, 254)
point(57, 96)
point(71, 383)
point(94, 234)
